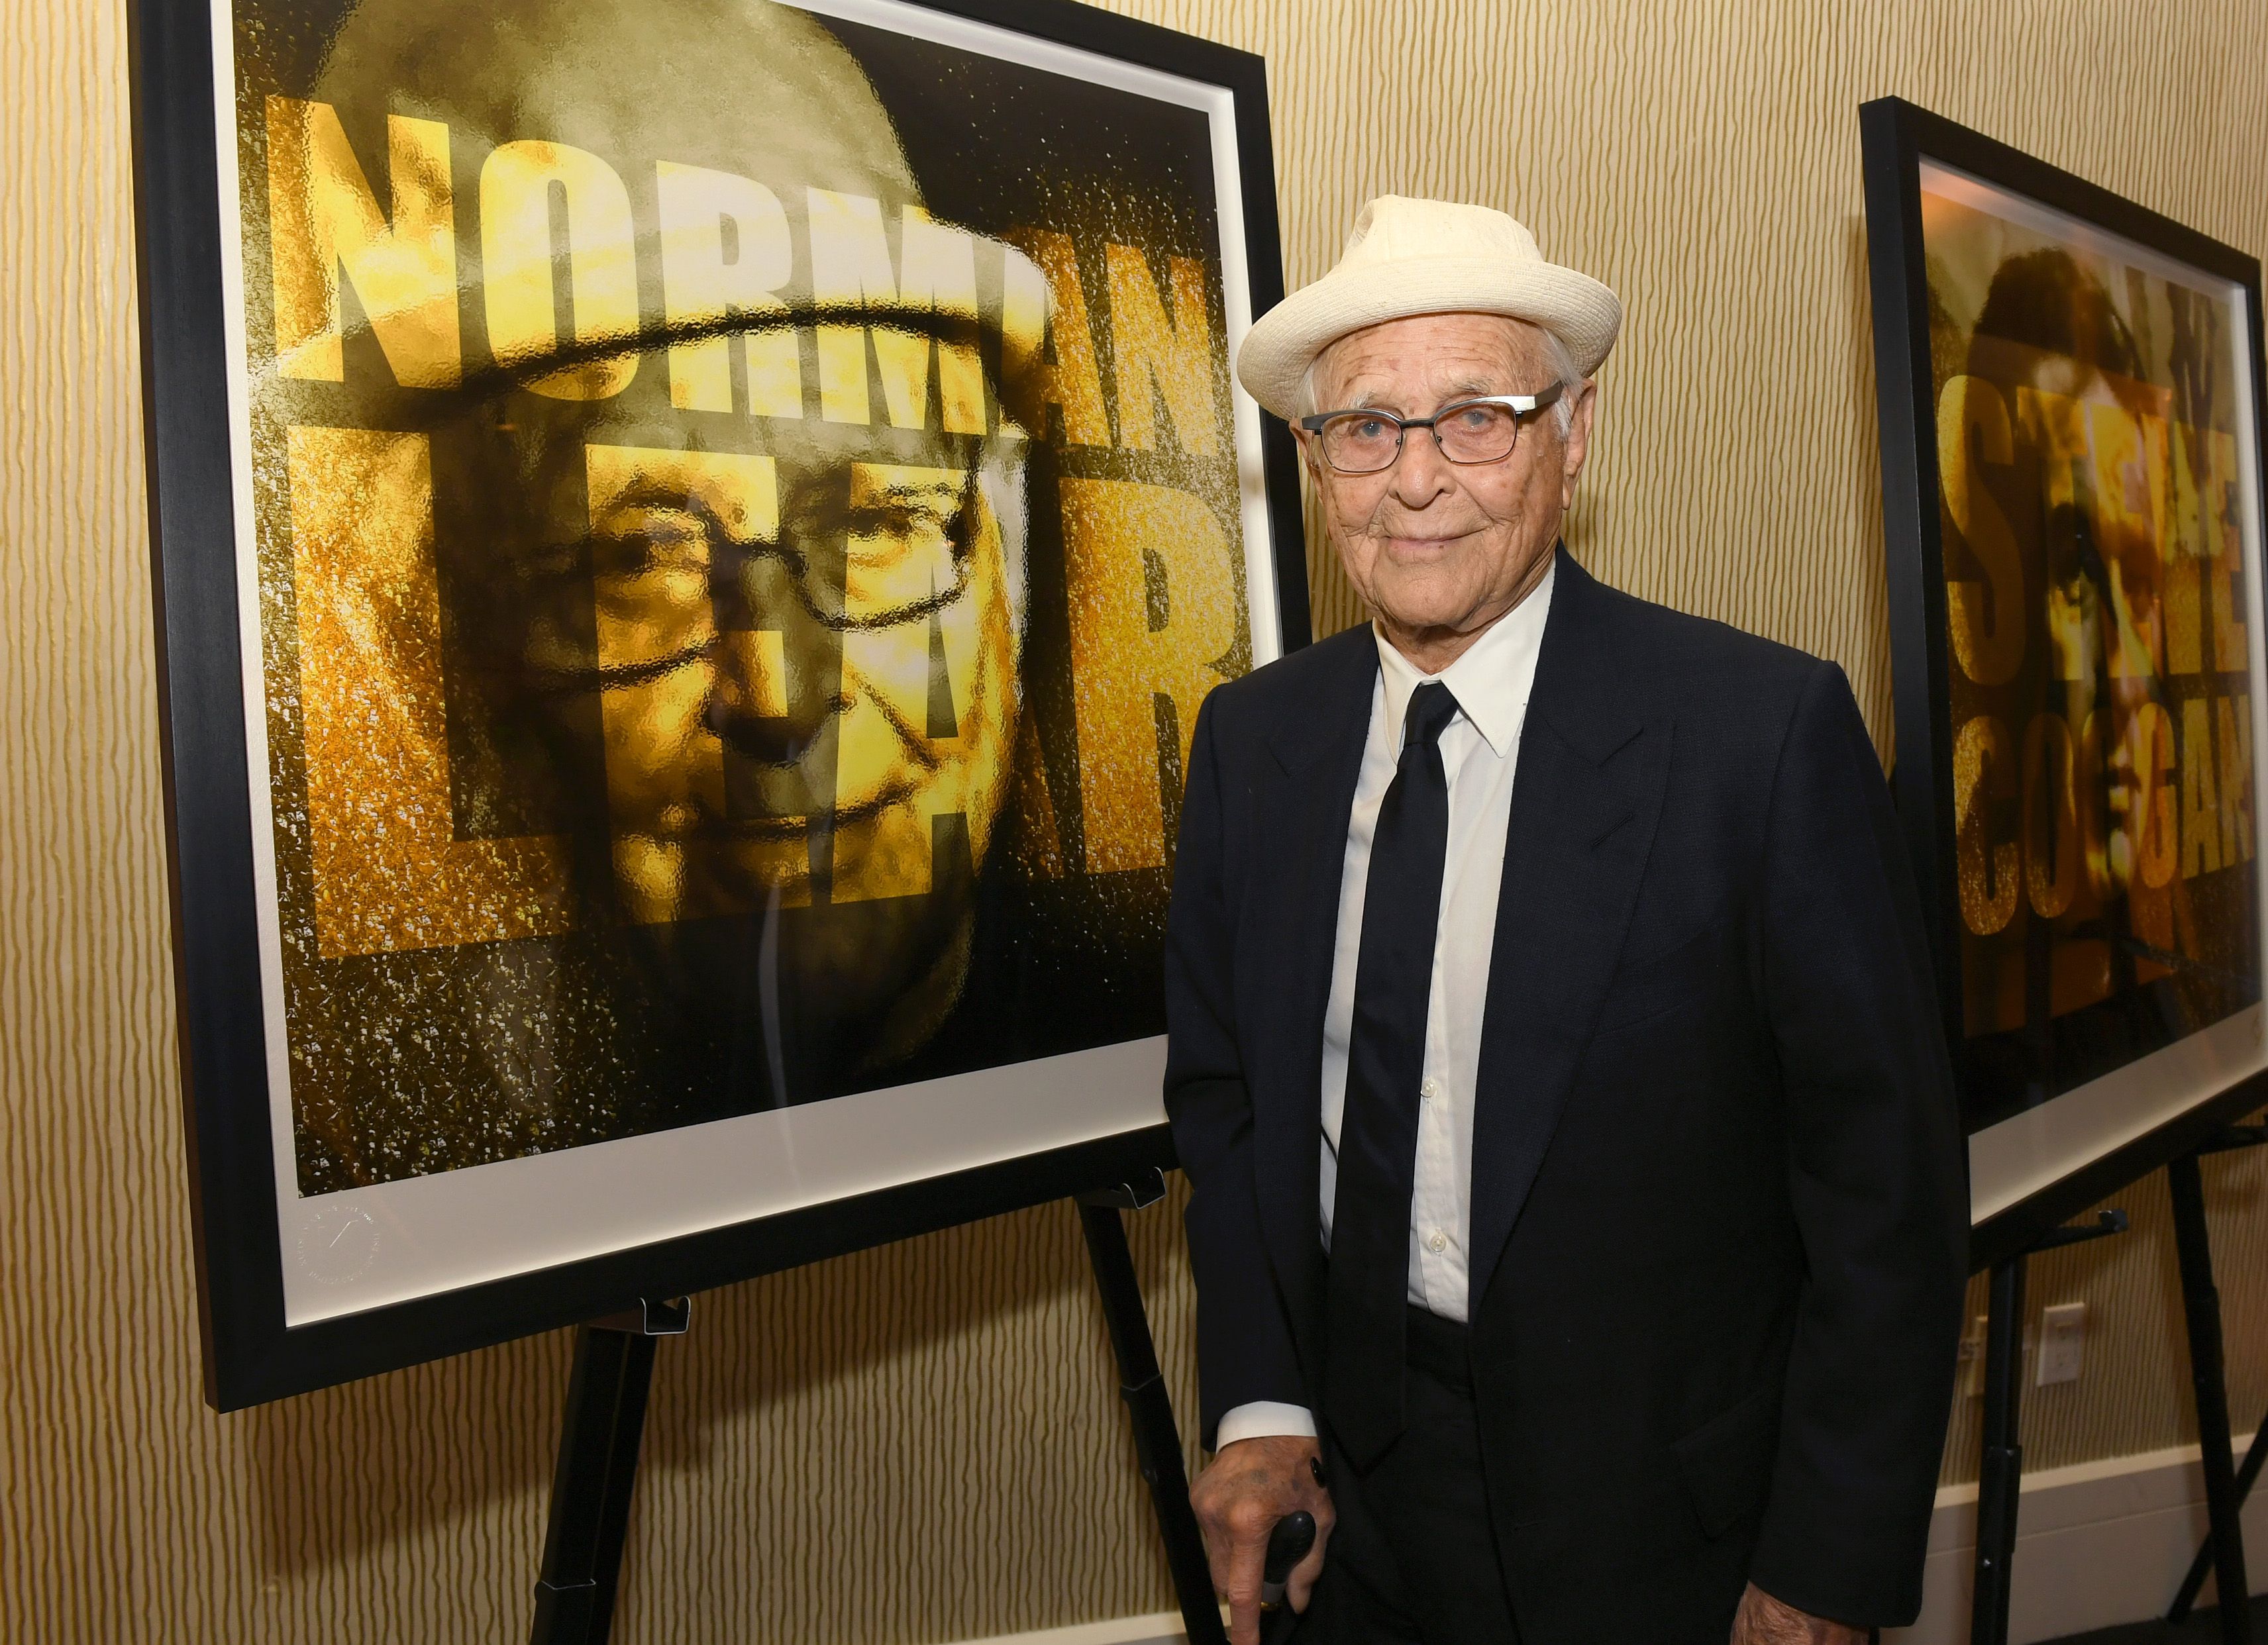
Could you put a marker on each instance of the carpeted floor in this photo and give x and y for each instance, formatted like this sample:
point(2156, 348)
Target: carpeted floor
point(2202, 1628)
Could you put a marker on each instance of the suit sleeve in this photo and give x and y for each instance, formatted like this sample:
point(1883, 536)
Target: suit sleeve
point(1245, 1350)
point(1877, 1178)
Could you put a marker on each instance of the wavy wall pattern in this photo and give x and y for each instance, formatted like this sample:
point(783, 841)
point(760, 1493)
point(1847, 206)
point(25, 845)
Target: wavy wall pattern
point(924, 1443)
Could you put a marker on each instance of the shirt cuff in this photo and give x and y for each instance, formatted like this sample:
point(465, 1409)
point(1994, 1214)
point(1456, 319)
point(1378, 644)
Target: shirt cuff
point(1264, 1419)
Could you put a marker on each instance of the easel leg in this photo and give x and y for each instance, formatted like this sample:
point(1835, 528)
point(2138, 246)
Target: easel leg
point(1157, 1441)
point(1999, 1476)
point(597, 1472)
point(2201, 1301)
point(2247, 1477)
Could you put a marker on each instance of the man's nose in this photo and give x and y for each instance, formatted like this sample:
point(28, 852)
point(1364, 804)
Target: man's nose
point(769, 689)
point(1421, 474)
point(751, 667)
point(766, 703)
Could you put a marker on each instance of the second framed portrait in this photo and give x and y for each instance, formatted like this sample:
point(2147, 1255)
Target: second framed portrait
point(2072, 413)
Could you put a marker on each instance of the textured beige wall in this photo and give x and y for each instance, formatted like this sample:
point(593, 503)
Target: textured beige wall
point(922, 1444)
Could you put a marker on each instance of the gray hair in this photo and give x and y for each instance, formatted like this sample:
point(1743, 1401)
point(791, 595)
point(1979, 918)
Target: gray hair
point(1555, 350)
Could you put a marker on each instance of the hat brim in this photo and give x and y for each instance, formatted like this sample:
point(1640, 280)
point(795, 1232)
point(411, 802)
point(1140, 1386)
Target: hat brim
point(1273, 363)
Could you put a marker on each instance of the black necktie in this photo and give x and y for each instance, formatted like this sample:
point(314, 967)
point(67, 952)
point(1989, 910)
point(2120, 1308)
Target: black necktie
point(1385, 1059)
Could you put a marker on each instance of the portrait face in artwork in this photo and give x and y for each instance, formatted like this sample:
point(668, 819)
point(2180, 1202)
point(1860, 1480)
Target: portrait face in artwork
point(2101, 560)
point(2099, 653)
point(2102, 833)
point(742, 663)
point(745, 509)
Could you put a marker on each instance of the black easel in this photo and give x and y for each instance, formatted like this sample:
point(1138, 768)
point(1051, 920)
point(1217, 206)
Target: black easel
point(606, 1419)
point(2225, 1488)
point(1157, 1439)
point(2247, 1477)
point(2000, 1475)
point(597, 1469)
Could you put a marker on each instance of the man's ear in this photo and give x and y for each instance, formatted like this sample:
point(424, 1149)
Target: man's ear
point(1575, 449)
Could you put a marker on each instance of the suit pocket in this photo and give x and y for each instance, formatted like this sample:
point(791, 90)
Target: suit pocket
point(1727, 1461)
point(1659, 983)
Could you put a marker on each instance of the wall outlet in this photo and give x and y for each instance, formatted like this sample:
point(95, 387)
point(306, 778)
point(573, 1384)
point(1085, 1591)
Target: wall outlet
point(1972, 1360)
point(2062, 1334)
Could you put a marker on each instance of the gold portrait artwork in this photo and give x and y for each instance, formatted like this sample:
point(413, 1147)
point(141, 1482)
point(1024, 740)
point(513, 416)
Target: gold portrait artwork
point(732, 620)
point(2100, 651)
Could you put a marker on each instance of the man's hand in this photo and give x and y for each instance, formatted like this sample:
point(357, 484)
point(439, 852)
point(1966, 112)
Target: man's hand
point(1765, 1620)
point(1248, 1487)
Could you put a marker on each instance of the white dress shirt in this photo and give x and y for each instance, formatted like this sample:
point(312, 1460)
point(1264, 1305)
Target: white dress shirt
point(1480, 747)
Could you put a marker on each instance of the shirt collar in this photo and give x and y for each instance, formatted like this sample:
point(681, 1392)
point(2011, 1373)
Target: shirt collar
point(1490, 681)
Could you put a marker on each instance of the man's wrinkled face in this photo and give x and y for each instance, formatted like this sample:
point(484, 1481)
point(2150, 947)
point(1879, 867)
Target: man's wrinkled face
point(696, 573)
point(801, 649)
point(1440, 548)
point(778, 635)
point(746, 628)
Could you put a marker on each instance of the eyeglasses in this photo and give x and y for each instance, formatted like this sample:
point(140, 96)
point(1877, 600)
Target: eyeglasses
point(1482, 429)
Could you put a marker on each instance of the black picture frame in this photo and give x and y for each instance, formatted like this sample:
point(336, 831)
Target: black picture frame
point(250, 1354)
point(1897, 139)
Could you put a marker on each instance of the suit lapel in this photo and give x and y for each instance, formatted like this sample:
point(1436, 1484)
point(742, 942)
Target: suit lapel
point(1318, 753)
point(1586, 798)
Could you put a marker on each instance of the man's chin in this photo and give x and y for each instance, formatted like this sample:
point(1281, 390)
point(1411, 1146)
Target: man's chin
point(660, 879)
point(1442, 614)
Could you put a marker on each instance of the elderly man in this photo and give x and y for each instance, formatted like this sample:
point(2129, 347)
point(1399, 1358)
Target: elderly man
point(1578, 1213)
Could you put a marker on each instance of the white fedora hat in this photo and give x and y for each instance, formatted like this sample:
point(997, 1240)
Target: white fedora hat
point(1424, 257)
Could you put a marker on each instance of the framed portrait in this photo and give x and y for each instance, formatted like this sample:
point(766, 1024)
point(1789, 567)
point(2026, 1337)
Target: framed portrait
point(689, 541)
point(2071, 397)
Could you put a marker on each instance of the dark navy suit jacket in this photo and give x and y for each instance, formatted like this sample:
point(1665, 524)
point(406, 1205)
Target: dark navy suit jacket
point(1718, 1210)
